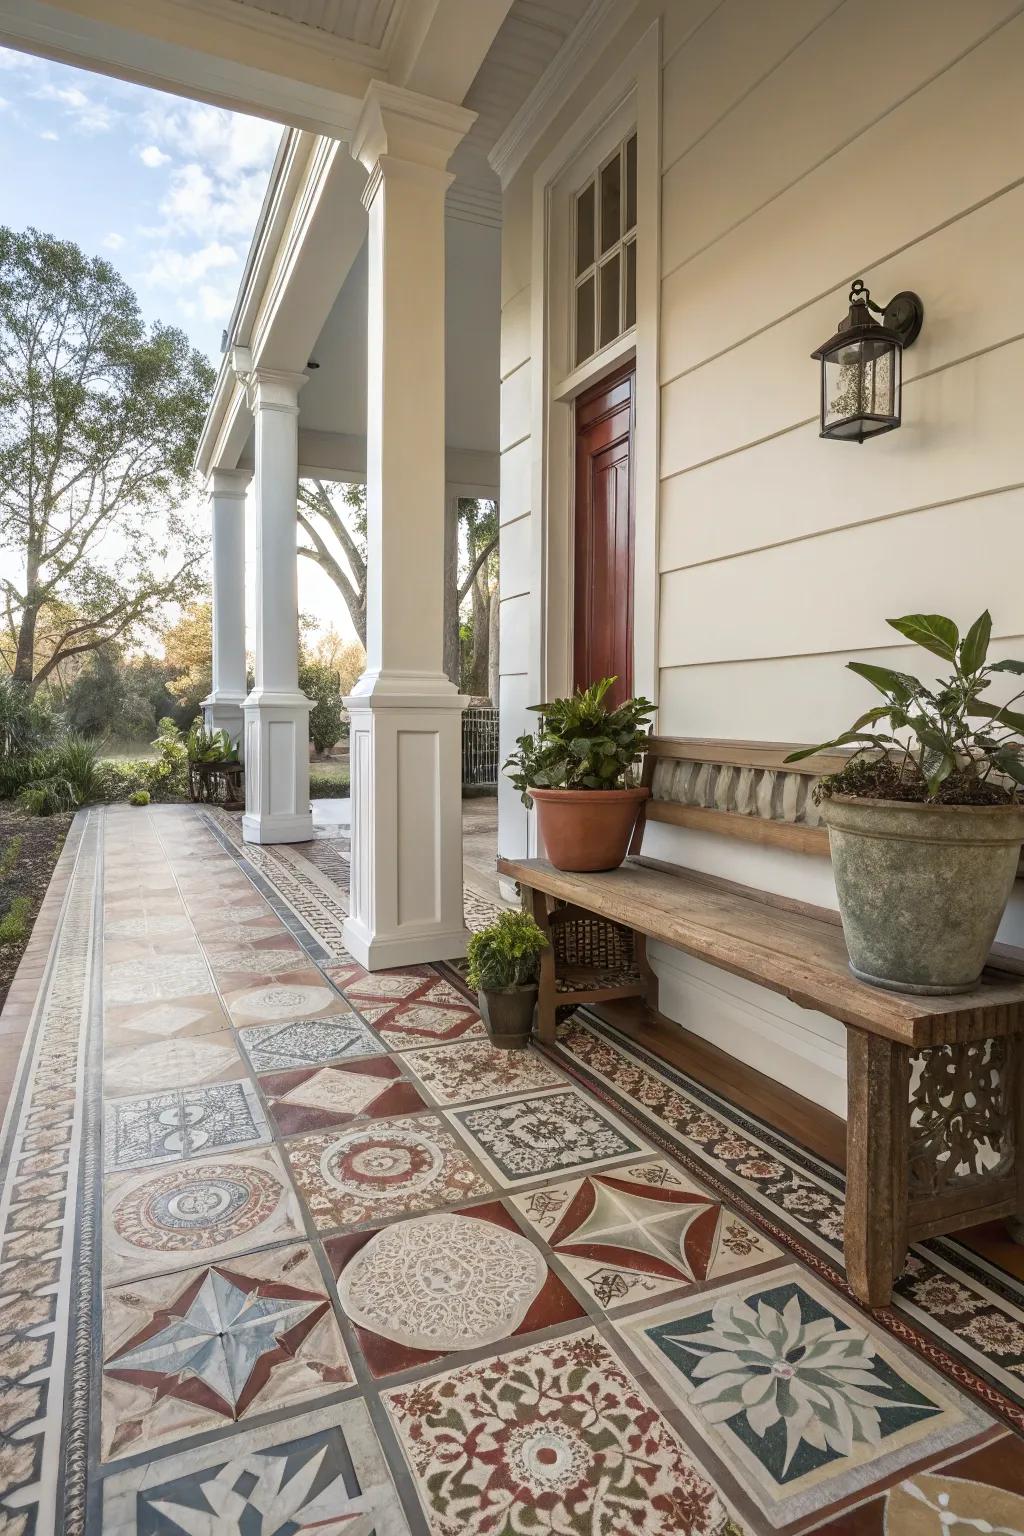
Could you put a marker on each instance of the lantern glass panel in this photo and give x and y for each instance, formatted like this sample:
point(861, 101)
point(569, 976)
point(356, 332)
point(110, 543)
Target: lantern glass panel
point(860, 388)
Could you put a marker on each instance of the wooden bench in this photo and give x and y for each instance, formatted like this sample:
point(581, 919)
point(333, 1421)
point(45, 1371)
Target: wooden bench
point(935, 1092)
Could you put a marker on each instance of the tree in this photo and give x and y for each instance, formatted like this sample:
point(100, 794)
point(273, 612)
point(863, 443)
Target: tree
point(99, 421)
point(188, 655)
point(327, 717)
point(321, 520)
point(346, 657)
point(479, 584)
point(117, 696)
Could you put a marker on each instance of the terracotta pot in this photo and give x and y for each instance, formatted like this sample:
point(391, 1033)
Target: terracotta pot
point(508, 1015)
point(587, 829)
point(921, 888)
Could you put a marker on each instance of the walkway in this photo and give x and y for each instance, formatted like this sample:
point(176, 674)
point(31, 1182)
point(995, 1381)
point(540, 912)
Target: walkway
point(286, 1247)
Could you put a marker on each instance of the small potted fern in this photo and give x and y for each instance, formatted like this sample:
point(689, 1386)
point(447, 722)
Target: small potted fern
point(504, 961)
point(580, 771)
point(926, 820)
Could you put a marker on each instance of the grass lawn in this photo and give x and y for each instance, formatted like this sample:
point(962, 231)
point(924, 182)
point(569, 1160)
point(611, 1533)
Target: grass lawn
point(29, 848)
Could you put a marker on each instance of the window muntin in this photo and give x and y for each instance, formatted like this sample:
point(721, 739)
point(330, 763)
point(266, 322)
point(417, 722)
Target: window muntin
point(605, 232)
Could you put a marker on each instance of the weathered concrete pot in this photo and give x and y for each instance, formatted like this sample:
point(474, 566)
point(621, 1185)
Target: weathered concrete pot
point(921, 888)
point(587, 829)
point(508, 1016)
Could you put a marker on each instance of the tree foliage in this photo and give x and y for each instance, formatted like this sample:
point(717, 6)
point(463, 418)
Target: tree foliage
point(188, 655)
point(99, 421)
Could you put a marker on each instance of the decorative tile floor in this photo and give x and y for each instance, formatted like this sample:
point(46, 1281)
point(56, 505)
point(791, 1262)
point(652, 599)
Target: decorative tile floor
point(289, 1247)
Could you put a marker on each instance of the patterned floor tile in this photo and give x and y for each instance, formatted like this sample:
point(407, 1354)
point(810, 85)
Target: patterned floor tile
point(296, 995)
point(307, 1042)
point(555, 1438)
point(180, 1018)
point(798, 1394)
point(458, 1074)
point(413, 1007)
point(190, 1351)
point(315, 1097)
point(172, 1063)
point(166, 1127)
point(210, 1209)
point(320, 1471)
point(455, 1280)
point(152, 979)
point(638, 1232)
point(559, 1131)
point(389, 1168)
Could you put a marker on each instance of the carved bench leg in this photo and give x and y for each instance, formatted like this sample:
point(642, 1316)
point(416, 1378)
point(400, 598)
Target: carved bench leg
point(536, 903)
point(876, 1165)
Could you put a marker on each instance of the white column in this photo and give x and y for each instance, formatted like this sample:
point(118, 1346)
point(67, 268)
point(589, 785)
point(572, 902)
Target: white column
point(405, 741)
point(276, 713)
point(222, 709)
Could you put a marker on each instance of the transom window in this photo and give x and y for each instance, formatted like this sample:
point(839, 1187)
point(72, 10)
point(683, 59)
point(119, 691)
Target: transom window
point(605, 254)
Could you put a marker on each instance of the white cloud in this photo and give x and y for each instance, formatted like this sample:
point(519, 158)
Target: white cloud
point(226, 143)
point(49, 135)
point(184, 269)
point(87, 114)
point(203, 204)
point(153, 156)
point(113, 241)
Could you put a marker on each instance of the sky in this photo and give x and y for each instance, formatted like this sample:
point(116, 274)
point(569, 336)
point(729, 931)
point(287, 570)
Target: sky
point(167, 190)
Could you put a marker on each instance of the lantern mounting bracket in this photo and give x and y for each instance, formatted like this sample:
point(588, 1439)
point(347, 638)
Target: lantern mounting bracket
point(904, 313)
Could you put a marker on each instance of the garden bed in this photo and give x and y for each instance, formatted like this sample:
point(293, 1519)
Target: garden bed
point(23, 885)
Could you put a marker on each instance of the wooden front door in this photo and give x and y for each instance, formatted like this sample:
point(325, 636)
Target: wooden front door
point(603, 562)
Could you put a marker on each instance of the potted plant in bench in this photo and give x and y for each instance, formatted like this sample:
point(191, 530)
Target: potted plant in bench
point(504, 960)
point(579, 769)
point(926, 832)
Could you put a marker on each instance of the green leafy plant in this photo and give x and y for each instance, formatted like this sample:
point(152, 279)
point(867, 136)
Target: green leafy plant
point(203, 746)
point(581, 743)
point(10, 857)
point(139, 797)
point(14, 923)
point(47, 797)
point(943, 757)
point(506, 953)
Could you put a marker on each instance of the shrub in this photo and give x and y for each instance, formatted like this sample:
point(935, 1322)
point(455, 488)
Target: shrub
point(57, 778)
point(139, 797)
point(26, 724)
point(505, 954)
point(203, 746)
point(328, 786)
point(14, 923)
point(47, 797)
point(581, 743)
point(322, 684)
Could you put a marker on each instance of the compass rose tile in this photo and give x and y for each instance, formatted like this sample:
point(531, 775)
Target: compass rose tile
point(632, 1234)
point(185, 1352)
point(313, 1098)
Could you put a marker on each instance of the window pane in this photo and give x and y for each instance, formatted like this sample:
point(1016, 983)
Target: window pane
point(585, 229)
point(631, 184)
point(610, 300)
point(610, 181)
point(585, 320)
point(630, 315)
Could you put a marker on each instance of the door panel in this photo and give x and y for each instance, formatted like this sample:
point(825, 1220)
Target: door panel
point(603, 525)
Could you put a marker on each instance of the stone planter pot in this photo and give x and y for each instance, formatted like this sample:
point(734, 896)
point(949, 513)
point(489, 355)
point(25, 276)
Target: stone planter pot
point(922, 888)
point(587, 829)
point(508, 1016)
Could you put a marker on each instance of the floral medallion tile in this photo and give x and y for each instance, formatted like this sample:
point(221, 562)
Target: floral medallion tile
point(457, 1074)
point(194, 1350)
point(183, 1122)
point(313, 1098)
point(559, 1131)
point(210, 1209)
point(296, 995)
point(320, 1471)
point(636, 1233)
point(172, 1063)
point(452, 1281)
point(388, 1168)
point(797, 1393)
point(307, 1042)
point(557, 1438)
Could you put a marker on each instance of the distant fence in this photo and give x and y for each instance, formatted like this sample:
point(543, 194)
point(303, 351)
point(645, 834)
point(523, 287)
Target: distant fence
point(480, 746)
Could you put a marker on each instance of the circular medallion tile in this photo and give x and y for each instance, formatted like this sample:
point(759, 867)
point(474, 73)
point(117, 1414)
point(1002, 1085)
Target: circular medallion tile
point(386, 1164)
point(196, 1206)
point(443, 1282)
point(284, 1002)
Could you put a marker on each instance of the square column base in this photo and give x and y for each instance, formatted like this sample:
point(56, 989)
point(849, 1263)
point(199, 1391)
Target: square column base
point(226, 713)
point(277, 808)
point(405, 752)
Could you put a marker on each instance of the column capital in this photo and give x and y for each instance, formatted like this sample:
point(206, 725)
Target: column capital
point(396, 124)
point(228, 484)
point(275, 389)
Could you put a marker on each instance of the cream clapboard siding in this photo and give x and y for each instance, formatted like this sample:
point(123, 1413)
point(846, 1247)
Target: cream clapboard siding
point(787, 171)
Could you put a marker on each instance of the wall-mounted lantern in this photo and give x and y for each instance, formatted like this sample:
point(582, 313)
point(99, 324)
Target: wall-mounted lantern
point(861, 365)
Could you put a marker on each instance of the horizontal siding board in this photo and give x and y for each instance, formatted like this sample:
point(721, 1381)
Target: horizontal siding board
point(515, 332)
point(960, 437)
point(516, 473)
point(516, 555)
point(515, 407)
point(800, 113)
point(911, 172)
point(834, 593)
point(514, 635)
point(681, 20)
